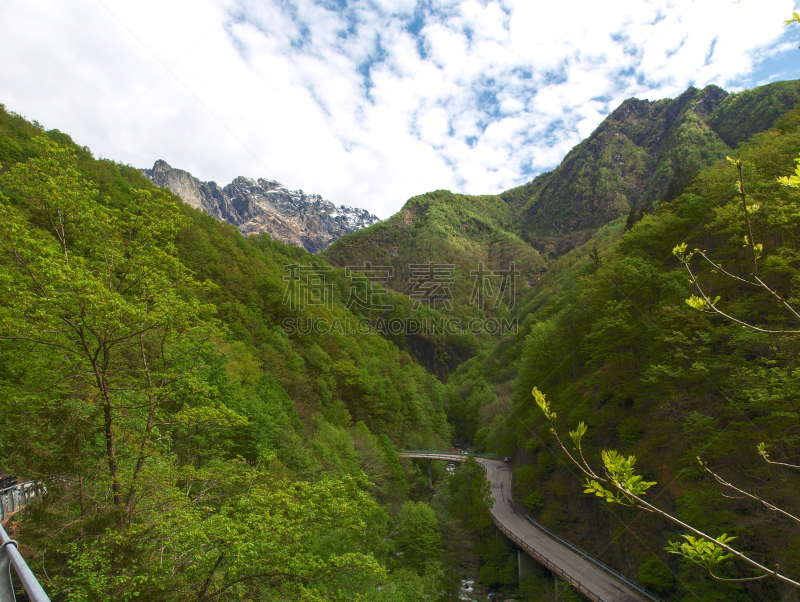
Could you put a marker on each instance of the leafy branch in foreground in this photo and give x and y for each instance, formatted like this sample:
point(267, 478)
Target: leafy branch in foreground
point(618, 470)
point(747, 494)
point(762, 451)
point(707, 554)
point(795, 19)
point(793, 180)
point(704, 302)
point(619, 484)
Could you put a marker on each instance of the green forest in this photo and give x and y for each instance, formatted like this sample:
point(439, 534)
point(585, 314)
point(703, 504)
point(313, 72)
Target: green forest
point(610, 339)
point(194, 448)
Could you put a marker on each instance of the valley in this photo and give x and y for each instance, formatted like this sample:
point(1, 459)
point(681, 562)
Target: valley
point(225, 378)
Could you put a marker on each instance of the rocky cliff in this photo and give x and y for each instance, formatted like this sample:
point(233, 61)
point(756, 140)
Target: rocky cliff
point(256, 206)
point(644, 152)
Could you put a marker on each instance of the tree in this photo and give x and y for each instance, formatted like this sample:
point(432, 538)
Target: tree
point(104, 314)
point(248, 536)
point(418, 537)
point(470, 496)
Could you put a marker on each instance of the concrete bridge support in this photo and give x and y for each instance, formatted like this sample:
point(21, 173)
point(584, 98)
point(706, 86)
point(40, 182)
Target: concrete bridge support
point(430, 474)
point(527, 565)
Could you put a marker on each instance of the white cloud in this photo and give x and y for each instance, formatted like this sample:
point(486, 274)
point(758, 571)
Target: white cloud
point(374, 102)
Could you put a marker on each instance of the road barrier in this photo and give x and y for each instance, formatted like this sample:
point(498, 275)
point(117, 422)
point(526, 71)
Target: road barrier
point(13, 499)
point(17, 496)
point(593, 560)
point(9, 555)
point(547, 563)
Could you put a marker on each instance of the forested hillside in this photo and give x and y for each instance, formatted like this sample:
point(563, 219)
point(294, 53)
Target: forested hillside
point(643, 153)
point(216, 416)
point(191, 445)
point(612, 342)
point(465, 238)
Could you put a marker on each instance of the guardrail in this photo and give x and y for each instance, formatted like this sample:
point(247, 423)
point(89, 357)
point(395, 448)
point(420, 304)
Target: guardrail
point(17, 496)
point(545, 561)
point(450, 453)
point(12, 499)
point(10, 556)
point(595, 561)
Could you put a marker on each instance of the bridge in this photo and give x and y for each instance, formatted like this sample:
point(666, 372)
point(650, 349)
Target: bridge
point(16, 496)
point(590, 577)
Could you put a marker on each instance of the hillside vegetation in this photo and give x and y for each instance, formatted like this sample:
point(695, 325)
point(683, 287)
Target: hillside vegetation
point(612, 342)
point(193, 449)
point(214, 423)
point(645, 152)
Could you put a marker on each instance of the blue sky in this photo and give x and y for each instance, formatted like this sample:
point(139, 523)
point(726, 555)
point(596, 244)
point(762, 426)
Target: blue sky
point(369, 102)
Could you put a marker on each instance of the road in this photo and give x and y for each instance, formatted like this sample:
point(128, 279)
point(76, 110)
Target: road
point(588, 578)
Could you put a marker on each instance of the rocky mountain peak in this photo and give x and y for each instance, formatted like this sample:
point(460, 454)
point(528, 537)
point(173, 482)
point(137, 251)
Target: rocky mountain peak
point(645, 151)
point(265, 206)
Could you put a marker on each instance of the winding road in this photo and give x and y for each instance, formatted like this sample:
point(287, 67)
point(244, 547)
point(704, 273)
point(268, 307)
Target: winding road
point(589, 578)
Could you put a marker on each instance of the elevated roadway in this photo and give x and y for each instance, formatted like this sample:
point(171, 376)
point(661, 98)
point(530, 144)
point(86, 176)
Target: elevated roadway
point(591, 578)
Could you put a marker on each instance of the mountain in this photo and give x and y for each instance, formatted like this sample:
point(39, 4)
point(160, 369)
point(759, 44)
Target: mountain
point(272, 412)
point(644, 152)
point(265, 206)
point(611, 341)
point(288, 435)
point(454, 257)
point(444, 228)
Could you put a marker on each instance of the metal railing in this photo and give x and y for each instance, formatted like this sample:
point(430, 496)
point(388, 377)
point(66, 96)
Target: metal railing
point(9, 555)
point(423, 452)
point(13, 499)
point(17, 496)
point(595, 561)
point(549, 564)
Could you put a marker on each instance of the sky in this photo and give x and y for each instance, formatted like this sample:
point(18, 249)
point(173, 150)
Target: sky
point(370, 102)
